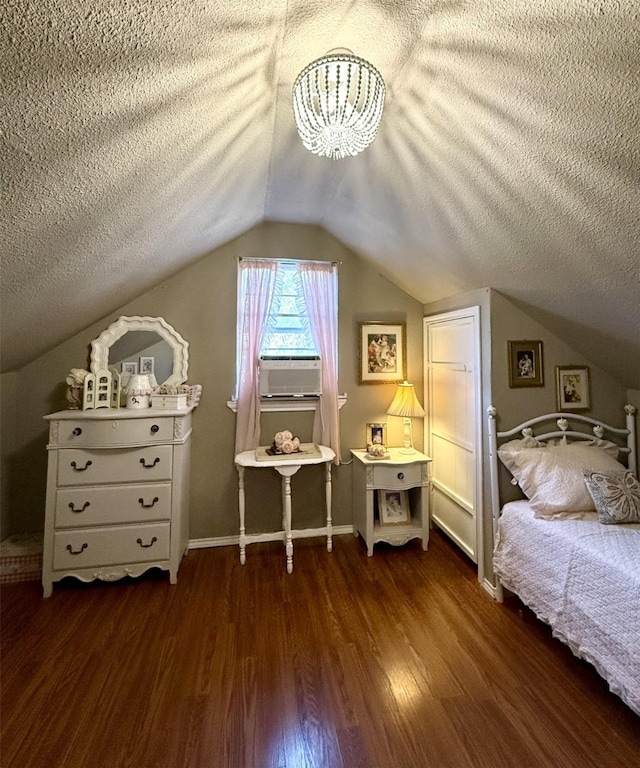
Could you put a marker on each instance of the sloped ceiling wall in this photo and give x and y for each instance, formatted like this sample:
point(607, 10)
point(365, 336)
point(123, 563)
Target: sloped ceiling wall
point(140, 135)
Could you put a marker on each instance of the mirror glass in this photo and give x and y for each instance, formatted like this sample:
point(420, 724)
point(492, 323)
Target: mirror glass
point(144, 352)
point(142, 345)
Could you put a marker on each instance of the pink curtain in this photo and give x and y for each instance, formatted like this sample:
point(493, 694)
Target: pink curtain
point(320, 289)
point(258, 278)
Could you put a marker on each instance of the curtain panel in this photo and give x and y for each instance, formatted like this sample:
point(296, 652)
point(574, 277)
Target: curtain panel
point(320, 289)
point(256, 281)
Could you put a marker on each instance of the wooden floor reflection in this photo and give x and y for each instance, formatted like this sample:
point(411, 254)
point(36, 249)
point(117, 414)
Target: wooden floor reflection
point(394, 661)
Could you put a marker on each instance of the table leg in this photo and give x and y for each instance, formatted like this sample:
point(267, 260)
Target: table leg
point(242, 542)
point(328, 498)
point(286, 491)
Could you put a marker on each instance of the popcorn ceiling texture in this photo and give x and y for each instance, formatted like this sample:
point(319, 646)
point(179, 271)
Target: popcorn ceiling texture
point(141, 135)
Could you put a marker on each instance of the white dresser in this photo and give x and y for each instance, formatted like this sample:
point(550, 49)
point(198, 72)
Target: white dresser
point(117, 493)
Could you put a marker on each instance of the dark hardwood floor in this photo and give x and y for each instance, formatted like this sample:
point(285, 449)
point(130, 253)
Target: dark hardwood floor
point(395, 661)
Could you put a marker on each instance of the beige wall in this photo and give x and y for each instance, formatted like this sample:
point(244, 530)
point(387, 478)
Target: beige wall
point(502, 321)
point(200, 302)
point(7, 439)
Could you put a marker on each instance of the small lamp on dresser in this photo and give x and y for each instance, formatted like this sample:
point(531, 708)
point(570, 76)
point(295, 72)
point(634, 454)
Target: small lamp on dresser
point(406, 405)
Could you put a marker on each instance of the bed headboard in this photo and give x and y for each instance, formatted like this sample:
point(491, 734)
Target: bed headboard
point(568, 425)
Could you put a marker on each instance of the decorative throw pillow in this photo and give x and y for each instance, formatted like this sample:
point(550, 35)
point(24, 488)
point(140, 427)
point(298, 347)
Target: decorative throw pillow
point(616, 496)
point(551, 475)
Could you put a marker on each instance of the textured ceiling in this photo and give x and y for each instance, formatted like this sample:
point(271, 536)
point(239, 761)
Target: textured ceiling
point(139, 135)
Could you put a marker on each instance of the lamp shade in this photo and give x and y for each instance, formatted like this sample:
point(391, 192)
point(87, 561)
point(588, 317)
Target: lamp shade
point(405, 403)
point(337, 103)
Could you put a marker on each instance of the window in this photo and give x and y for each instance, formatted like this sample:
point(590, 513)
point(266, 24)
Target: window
point(287, 324)
point(287, 309)
point(288, 333)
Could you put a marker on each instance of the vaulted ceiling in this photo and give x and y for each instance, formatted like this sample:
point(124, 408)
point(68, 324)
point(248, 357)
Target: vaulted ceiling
point(140, 135)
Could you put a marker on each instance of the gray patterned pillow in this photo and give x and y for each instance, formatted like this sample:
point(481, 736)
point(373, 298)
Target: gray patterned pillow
point(616, 496)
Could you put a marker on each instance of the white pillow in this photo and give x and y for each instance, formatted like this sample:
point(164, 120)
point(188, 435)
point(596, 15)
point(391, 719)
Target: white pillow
point(551, 476)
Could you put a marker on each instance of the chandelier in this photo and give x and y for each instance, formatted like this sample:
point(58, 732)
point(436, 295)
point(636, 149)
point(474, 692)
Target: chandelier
point(337, 103)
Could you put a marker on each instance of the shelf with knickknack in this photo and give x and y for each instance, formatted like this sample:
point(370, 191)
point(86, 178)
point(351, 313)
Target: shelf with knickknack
point(118, 477)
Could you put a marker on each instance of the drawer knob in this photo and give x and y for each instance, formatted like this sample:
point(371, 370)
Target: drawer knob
point(400, 475)
point(155, 428)
point(146, 546)
point(81, 469)
point(149, 466)
point(82, 509)
point(147, 506)
point(77, 431)
point(80, 551)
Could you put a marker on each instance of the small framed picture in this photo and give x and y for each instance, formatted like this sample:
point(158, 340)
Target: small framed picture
point(376, 434)
point(572, 388)
point(393, 507)
point(525, 364)
point(130, 367)
point(147, 364)
point(383, 353)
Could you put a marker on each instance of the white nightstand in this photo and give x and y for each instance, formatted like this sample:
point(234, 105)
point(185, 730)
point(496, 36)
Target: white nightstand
point(400, 472)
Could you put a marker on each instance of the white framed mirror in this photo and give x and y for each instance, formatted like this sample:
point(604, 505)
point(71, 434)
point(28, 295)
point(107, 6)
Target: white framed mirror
point(140, 341)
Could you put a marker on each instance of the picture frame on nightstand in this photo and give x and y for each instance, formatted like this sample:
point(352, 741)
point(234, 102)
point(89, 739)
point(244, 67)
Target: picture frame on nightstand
point(393, 507)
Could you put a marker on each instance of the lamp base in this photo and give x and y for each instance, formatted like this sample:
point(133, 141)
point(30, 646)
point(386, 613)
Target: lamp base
point(407, 450)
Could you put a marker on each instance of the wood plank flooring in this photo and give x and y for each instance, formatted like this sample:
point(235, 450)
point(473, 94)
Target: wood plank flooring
point(394, 661)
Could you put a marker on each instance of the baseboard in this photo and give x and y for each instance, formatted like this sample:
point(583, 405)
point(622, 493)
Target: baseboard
point(490, 588)
point(229, 541)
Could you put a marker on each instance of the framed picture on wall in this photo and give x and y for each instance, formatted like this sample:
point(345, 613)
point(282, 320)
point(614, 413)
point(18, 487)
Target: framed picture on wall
point(572, 388)
point(393, 507)
point(382, 353)
point(130, 368)
point(525, 364)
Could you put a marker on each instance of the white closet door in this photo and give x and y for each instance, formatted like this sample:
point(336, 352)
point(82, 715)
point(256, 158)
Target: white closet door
point(452, 383)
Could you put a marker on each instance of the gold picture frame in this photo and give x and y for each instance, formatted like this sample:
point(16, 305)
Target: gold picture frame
point(572, 388)
point(382, 351)
point(526, 368)
point(376, 434)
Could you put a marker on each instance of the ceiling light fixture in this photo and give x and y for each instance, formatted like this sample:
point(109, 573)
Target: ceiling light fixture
point(337, 102)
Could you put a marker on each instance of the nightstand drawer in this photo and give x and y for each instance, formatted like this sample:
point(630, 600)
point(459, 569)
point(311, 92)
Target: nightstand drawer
point(404, 476)
point(115, 466)
point(111, 505)
point(110, 546)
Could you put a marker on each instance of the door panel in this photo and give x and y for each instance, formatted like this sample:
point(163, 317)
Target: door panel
point(452, 396)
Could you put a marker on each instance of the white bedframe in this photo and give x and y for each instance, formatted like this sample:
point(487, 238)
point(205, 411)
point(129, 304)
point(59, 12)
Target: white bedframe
point(567, 570)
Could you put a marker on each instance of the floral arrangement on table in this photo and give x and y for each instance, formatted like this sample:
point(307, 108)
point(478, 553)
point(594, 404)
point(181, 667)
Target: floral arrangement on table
point(377, 450)
point(75, 386)
point(284, 443)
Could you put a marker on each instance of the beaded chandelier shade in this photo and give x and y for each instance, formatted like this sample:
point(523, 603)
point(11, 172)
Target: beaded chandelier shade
point(337, 103)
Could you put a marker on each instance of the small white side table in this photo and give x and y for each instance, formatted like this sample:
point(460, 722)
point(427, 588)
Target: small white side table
point(399, 472)
point(286, 468)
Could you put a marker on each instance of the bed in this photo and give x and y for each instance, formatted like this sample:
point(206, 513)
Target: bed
point(570, 549)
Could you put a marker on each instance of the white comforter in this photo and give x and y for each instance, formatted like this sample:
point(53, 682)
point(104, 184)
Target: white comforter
point(582, 578)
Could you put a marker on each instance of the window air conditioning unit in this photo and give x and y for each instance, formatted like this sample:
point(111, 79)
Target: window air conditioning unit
point(290, 376)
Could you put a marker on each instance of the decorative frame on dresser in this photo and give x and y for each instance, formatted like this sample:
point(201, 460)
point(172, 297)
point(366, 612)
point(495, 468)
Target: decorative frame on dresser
point(118, 484)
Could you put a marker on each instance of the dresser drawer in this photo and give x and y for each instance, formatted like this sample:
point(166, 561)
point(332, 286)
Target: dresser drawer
point(106, 504)
point(405, 476)
point(98, 432)
point(87, 467)
point(110, 546)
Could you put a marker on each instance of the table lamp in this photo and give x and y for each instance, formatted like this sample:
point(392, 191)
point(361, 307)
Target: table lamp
point(406, 404)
